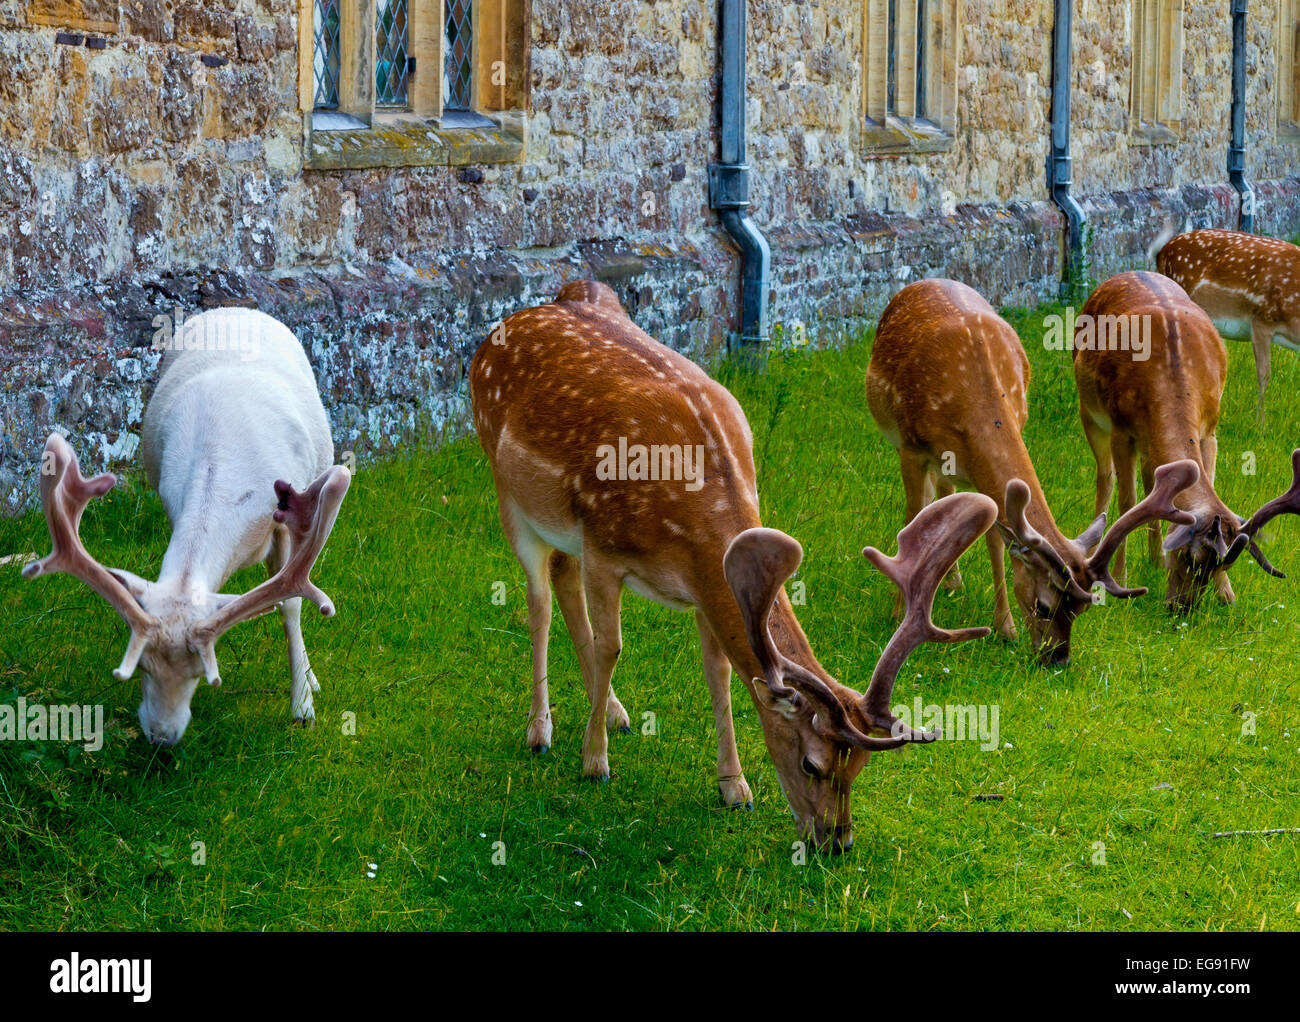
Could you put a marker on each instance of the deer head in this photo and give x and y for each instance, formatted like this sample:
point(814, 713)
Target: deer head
point(173, 632)
point(1214, 541)
point(824, 730)
point(1051, 590)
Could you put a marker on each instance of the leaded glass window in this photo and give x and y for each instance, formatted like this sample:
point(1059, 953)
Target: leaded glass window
point(458, 45)
point(392, 51)
point(325, 56)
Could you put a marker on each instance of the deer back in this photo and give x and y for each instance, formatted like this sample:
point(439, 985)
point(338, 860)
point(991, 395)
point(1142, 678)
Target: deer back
point(1168, 401)
point(236, 408)
point(1234, 276)
point(597, 432)
point(949, 375)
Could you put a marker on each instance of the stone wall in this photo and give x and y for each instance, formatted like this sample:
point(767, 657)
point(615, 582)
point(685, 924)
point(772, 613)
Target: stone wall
point(165, 170)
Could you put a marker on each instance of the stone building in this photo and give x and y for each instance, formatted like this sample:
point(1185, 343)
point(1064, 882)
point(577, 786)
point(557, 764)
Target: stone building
point(391, 177)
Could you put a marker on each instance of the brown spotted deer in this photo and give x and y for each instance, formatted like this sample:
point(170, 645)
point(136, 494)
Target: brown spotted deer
point(1248, 285)
point(1160, 410)
point(619, 463)
point(947, 385)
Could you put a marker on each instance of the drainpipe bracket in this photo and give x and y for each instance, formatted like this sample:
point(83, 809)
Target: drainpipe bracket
point(1060, 171)
point(729, 186)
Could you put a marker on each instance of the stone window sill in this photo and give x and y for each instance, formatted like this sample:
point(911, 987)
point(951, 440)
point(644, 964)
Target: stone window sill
point(1147, 134)
point(898, 136)
point(1288, 133)
point(399, 139)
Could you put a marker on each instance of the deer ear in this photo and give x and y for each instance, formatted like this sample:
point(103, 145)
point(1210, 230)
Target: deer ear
point(1014, 547)
point(1179, 537)
point(134, 584)
point(1091, 536)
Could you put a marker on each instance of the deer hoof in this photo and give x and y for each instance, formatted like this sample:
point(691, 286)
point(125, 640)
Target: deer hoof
point(540, 750)
point(596, 768)
point(616, 716)
point(736, 793)
point(539, 734)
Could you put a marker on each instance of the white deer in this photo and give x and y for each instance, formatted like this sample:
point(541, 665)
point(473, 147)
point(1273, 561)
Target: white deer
point(235, 414)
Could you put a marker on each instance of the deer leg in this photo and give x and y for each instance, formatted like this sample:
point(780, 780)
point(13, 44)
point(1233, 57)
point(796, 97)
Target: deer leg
point(916, 482)
point(566, 577)
point(604, 590)
point(532, 553)
point(1099, 441)
point(944, 486)
point(1003, 623)
point(717, 672)
point(1123, 456)
point(302, 681)
point(1261, 340)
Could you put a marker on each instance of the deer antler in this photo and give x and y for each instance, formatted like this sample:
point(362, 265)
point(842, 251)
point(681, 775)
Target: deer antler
point(65, 492)
point(1288, 503)
point(1170, 480)
point(309, 516)
point(756, 565)
point(1028, 542)
point(927, 549)
point(758, 562)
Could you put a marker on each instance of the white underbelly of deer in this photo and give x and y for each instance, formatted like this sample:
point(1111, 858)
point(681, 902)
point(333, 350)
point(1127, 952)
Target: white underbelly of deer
point(1234, 328)
point(674, 598)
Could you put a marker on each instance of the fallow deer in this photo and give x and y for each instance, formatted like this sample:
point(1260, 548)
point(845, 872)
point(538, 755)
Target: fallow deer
point(618, 462)
point(1248, 285)
point(1159, 410)
point(947, 385)
point(235, 414)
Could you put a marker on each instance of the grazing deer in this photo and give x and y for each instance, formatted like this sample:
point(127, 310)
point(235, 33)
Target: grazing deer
point(947, 385)
point(234, 414)
point(618, 463)
point(1248, 285)
point(1159, 410)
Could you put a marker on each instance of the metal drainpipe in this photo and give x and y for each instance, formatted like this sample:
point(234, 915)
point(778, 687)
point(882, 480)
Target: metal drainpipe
point(1058, 161)
point(1237, 145)
point(729, 180)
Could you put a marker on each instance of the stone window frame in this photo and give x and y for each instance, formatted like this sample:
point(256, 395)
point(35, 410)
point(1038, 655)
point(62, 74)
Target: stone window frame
point(1156, 86)
point(905, 129)
point(360, 134)
point(1287, 110)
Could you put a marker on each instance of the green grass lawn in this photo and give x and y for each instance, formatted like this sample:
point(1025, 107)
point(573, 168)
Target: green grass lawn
point(1137, 746)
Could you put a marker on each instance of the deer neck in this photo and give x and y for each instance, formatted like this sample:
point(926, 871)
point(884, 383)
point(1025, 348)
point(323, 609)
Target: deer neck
point(1176, 437)
point(720, 611)
point(217, 527)
point(996, 467)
